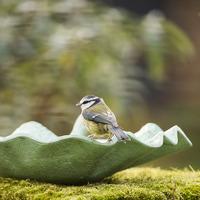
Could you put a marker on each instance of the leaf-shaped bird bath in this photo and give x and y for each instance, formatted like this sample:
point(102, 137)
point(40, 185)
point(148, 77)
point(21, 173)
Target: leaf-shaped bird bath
point(32, 151)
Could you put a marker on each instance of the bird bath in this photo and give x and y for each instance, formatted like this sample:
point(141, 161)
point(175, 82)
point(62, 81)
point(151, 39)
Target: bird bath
point(34, 152)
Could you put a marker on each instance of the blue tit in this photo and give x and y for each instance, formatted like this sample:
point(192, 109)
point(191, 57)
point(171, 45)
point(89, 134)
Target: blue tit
point(99, 119)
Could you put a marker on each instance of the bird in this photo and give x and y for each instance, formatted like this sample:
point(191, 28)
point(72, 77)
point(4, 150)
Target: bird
point(98, 119)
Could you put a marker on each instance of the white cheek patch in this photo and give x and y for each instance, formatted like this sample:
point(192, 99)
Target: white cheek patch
point(87, 105)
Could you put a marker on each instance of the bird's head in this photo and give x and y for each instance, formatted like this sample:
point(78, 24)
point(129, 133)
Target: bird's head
point(88, 101)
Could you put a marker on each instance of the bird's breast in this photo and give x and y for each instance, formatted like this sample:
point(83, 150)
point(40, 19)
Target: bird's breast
point(95, 128)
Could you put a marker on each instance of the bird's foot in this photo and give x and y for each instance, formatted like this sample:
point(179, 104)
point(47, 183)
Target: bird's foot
point(92, 136)
point(105, 137)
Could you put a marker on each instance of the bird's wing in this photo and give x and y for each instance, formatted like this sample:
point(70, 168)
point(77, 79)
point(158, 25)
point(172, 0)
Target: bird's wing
point(107, 118)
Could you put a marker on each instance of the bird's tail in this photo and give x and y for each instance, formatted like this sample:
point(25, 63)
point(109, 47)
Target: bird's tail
point(119, 133)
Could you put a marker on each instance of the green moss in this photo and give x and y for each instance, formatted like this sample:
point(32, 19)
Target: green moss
point(137, 183)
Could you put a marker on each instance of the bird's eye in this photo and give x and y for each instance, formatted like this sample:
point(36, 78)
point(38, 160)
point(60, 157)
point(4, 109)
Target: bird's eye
point(85, 102)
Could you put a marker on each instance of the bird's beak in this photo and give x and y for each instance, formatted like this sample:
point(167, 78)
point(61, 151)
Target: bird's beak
point(78, 104)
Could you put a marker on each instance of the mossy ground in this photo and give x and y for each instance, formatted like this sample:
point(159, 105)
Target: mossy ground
point(137, 183)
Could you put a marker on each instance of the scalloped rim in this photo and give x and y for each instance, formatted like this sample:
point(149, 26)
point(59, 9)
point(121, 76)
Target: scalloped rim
point(150, 135)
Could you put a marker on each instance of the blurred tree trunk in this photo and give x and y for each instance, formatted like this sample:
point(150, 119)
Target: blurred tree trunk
point(186, 76)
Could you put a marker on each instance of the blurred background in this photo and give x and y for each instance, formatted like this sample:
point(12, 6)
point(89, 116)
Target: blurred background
point(141, 56)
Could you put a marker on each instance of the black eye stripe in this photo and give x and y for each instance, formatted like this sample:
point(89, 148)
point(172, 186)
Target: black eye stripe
point(85, 102)
point(97, 100)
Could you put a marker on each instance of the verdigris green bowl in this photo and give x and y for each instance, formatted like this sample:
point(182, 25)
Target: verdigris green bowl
point(32, 151)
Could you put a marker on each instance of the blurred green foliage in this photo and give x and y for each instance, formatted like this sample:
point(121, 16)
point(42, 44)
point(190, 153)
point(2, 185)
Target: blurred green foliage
point(54, 52)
